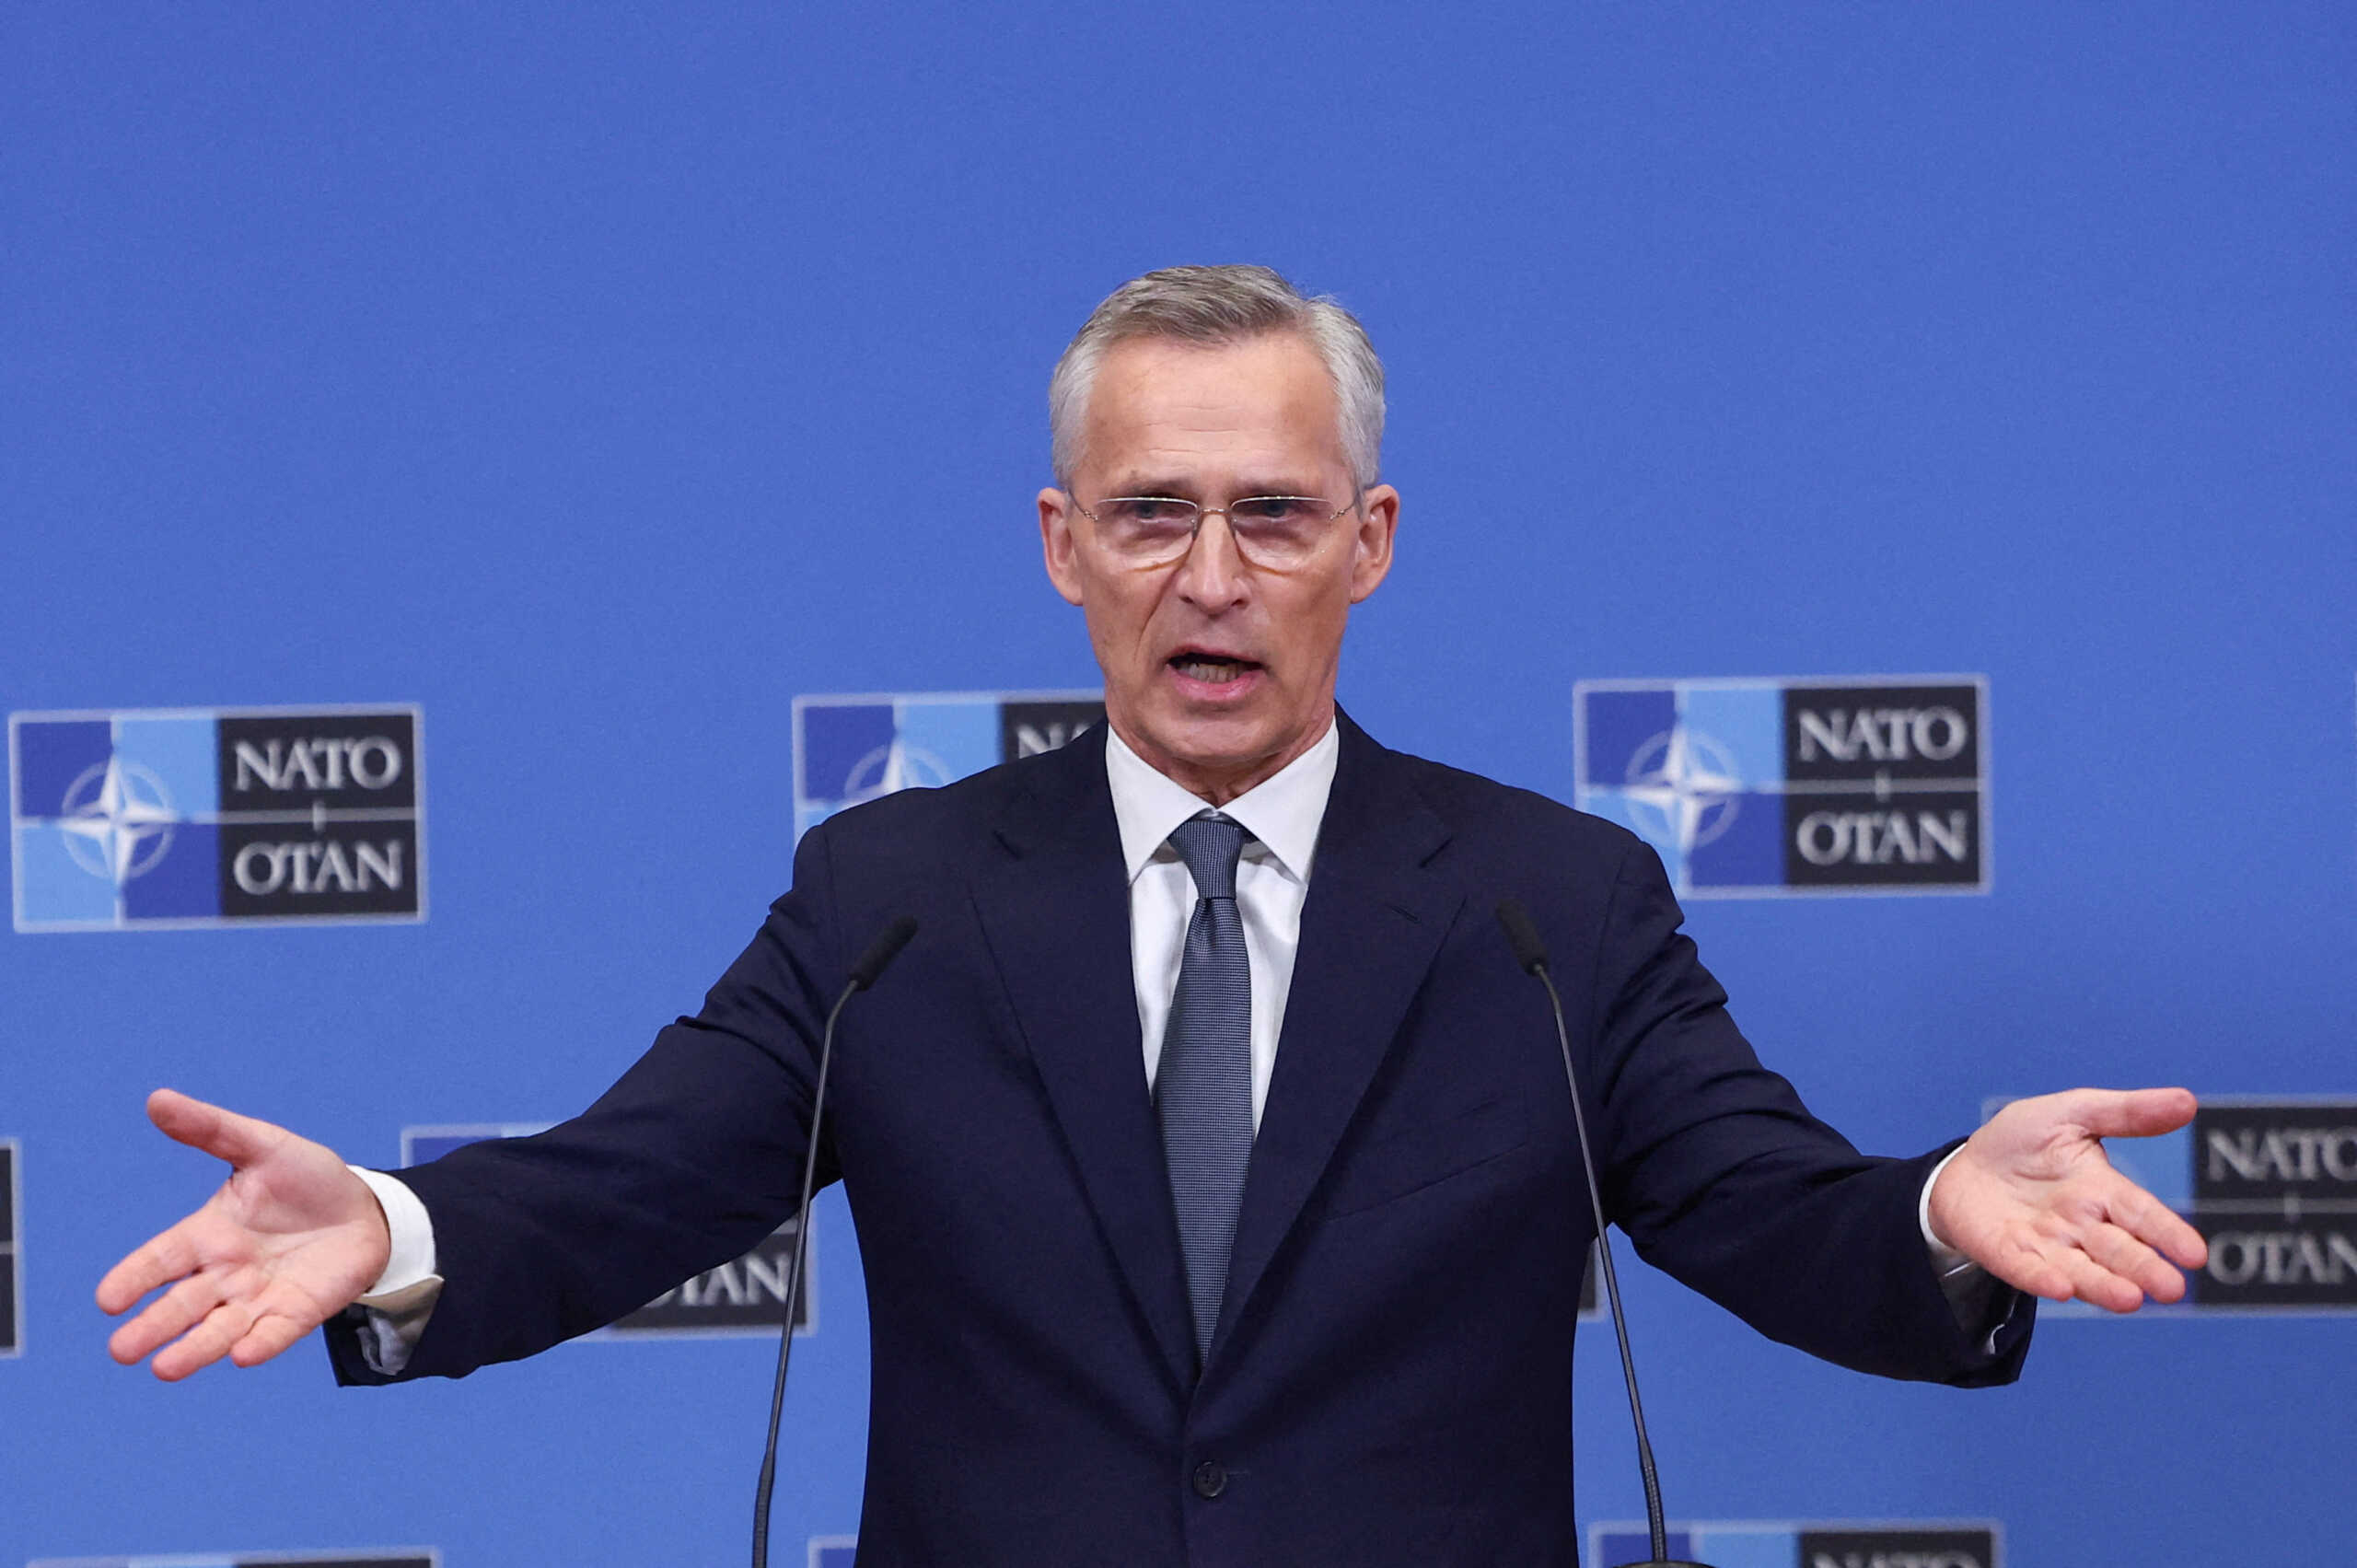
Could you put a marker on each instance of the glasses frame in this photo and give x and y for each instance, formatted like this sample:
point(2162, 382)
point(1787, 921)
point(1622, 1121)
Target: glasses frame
point(1358, 498)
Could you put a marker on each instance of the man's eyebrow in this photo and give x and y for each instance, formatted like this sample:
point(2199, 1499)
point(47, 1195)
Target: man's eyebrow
point(1172, 488)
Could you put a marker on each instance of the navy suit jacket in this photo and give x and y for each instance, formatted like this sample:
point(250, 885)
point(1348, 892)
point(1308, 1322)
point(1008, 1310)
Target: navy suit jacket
point(1390, 1381)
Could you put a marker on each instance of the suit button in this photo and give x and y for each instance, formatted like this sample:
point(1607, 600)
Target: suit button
point(1210, 1479)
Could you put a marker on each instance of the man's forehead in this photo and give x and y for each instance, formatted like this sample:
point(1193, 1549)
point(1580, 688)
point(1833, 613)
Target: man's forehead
point(1160, 403)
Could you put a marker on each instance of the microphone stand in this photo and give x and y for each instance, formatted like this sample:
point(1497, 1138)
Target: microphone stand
point(880, 952)
point(1531, 954)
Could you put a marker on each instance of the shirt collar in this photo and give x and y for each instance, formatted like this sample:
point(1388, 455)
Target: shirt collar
point(1282, 811)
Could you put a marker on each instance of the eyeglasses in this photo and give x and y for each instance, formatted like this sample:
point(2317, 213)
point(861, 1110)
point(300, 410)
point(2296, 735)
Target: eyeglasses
point(1276, 533)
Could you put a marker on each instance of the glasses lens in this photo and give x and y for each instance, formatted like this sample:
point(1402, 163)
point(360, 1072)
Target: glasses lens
point(1145, 528)
point(1281, 531)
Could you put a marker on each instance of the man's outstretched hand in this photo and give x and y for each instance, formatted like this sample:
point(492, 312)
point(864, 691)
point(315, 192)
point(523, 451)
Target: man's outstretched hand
point(291, 1239)
point(2031, 1198)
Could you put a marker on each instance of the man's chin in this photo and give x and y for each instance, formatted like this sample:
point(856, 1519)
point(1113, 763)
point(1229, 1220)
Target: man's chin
point(1212, 740)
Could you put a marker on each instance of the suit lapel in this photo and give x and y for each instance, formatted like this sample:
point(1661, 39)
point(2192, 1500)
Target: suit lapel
point(1055, 910)
point(1370, 928)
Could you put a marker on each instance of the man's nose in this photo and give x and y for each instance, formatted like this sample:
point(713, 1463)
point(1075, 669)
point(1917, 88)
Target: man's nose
point(1212, 574)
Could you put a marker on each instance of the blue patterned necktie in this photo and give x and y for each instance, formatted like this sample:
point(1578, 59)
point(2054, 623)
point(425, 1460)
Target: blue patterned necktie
point(1203, 1089)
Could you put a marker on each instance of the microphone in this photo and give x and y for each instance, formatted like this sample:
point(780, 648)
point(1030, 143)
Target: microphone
point(865, 973)
point(880, 953)
point(1531, 954)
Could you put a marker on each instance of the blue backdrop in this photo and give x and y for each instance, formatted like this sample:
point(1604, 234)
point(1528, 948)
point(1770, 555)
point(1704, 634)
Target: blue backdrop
point(600, 379)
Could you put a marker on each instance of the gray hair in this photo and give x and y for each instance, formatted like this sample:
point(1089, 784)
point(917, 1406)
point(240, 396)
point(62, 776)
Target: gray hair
point(1214, 306)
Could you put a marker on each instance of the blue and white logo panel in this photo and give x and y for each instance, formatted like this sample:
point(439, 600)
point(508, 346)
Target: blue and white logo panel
point(850, 750)
point(159, 819)
point(1752, 788)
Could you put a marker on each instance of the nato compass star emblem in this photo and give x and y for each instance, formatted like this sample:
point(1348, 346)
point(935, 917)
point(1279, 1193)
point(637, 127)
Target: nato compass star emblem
point(1686, 786)
point(118, 820)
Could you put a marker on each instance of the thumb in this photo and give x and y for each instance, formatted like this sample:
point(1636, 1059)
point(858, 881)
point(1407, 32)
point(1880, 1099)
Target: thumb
point(2130, 1113)
point(222, 1134)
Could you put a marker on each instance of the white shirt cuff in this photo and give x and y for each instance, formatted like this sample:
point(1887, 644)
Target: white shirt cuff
point(412, 1261)
point(1945, 1260)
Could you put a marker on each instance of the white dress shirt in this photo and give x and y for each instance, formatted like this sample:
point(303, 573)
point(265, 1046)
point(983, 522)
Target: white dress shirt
point(1282, 816)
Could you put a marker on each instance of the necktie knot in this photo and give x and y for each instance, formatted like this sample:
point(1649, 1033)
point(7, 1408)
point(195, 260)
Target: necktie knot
point(1211, 846)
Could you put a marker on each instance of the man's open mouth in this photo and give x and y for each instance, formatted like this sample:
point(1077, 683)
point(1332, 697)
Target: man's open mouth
point(1215, 670)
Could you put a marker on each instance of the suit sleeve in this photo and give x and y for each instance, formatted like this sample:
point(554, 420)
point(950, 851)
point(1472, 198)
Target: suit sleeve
point(690, 1158)
point(1722, 1178)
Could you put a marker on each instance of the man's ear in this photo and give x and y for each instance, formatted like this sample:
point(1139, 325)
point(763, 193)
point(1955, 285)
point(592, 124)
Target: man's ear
point(1379, 521)
point(1056, 544)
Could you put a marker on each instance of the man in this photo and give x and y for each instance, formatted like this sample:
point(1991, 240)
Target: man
point(1213, 1165)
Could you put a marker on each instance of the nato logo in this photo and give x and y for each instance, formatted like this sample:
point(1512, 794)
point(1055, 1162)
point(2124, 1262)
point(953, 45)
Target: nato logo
point(12, 1292)
point(400, 1557)
point(745, 1295)
point(1895, 1544)
point(2271, 1184)
point(1772, 788)
point(849, 749)
point(159, 818)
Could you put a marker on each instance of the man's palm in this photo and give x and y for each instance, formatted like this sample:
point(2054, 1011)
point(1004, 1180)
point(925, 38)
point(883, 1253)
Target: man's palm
point(290, 1240)
point(2032, 1199)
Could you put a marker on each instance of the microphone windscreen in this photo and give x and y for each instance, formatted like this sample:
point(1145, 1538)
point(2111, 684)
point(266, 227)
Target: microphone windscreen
point(882, 951)
point(1528, 951)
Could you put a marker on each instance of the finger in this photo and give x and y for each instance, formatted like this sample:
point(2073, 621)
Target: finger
point(2027, 1267)
point(270, 1334)
point(2127, 1113)
point(168, 1316)
point(158, 1261)
point(240, 1140)
point(2131, 1260)
point(2157, 1225)
point(2091, 1282)
point(205, 1343)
